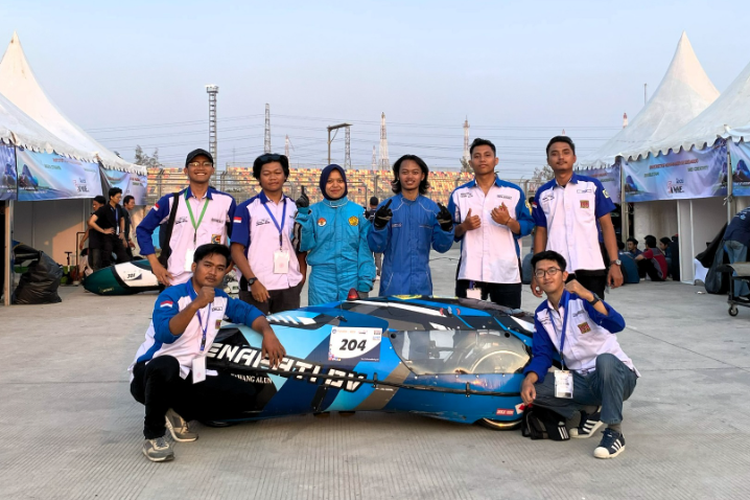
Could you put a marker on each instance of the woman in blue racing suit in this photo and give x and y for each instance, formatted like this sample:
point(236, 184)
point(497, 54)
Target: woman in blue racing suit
point(333, 232)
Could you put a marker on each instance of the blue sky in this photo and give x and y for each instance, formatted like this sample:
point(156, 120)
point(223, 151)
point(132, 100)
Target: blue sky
point(520, 71)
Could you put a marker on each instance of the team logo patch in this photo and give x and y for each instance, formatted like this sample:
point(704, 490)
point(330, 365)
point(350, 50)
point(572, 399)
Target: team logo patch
point(606, 194)
point(584, 327)
point(353, 220)
point(166, 303)
point(216, 239)
point(218, 324)
point(322, 222)
point(584, 203)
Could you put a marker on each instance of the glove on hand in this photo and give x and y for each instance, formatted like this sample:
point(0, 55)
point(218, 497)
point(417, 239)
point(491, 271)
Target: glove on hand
point(303, 201)
point(382, 216)
point(444, 218)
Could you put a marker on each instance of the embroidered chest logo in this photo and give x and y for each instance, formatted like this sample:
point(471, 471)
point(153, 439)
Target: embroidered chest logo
point(216, 239)
point(353, 220)
point(584, 327)
point(585, 204)
point(322, 222)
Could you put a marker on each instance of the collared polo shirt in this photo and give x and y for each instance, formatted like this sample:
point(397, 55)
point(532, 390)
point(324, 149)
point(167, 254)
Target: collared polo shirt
point(490, 253)
point(215, 227)
point(254, 228)
point(571, 216)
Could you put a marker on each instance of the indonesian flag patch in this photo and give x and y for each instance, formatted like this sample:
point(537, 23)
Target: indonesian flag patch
point(237, 220)
point(166, 303)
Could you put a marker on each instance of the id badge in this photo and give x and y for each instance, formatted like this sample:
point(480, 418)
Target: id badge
point(199, 369)
point(189, 260)
point(563, 384)
point(281, 262)
point(474, 293)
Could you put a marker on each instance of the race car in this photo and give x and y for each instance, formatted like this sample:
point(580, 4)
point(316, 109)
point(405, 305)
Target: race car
point(454, 359)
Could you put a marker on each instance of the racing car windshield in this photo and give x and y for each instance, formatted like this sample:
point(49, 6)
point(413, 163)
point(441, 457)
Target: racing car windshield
point(456, 351)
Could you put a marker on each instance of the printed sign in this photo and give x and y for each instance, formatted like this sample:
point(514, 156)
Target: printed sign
point(131, 184)
point(8, 181)
point(362, 344)
point(49, 176)
point(609, 177)
point(740, 154)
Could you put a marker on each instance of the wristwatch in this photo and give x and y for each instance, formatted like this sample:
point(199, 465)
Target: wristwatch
point(617, 262)
point(251, 281)
point(595, 299)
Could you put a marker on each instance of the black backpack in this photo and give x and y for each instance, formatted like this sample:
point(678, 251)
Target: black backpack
point(542, 423)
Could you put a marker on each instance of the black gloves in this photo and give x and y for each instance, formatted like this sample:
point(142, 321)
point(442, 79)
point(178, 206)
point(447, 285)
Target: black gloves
point(382, 216)
point(303, 201)
point(444, 218)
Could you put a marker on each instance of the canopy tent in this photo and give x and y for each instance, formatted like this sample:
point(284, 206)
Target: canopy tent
point(684, 92)
point(18, 84)
point(739, 133)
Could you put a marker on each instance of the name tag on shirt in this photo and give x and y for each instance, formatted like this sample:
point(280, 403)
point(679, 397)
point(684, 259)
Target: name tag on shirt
point(474, 293)
point(199, 369)
point(281, 262)
point(563, 384)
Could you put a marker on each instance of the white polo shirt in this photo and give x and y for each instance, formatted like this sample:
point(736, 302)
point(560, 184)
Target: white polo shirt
point(571, 215)
point(254, 227)
point(490, 253)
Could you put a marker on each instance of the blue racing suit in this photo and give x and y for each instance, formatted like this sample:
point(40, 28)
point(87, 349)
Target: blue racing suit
point(405, 243)
point(334, 235)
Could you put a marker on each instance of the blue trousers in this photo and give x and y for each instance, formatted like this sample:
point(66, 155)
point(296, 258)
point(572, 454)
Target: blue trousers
point(737, 252)
point(608, 386)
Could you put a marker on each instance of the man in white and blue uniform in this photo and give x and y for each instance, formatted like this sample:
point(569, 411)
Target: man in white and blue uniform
point(203, 216)
point(595, 370)
point(490, 216)
point(569, 212)
point(169, 373)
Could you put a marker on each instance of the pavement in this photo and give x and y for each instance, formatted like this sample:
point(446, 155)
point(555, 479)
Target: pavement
point(70, 429)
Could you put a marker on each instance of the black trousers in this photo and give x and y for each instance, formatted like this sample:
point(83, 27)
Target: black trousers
point(647, 267)
point(285, 299)
point(593, 281)
point(502, 294)
point(158, 385)
point(113, 244)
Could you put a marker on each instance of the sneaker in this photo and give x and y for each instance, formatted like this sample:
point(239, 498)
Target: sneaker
point(158, 450)
point(588, 426)
point(611, 445)
point(179, 428)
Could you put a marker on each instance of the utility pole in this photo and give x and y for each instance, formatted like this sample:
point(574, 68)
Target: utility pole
point(347, 150)
point(384, 162)
point(267, 131)
point(466, 140)
point(645, 86)
point(286, 147)
point(374, 165)
point(330, 139)
point(212, 91)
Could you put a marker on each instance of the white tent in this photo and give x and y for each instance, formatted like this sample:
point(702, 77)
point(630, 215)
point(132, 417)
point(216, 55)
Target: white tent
point(18, 84)
point(684, 92)
point(738, 133)
point(18, 129)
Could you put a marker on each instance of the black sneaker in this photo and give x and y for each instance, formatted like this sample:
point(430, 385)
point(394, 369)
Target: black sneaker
point(611, 445)
point(588, 426)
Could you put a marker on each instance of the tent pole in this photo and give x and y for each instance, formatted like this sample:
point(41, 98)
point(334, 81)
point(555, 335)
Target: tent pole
point(624, 212)
point(7, 248)
point(730, 182)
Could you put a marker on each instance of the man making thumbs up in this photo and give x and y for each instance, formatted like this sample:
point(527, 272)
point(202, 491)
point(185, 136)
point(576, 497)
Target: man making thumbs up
point(491, 215)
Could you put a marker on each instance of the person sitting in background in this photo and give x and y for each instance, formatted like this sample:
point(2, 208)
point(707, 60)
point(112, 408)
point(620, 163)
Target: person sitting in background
point(633, 247)
point(652, 262)
point(664, 247)
point(629, 267)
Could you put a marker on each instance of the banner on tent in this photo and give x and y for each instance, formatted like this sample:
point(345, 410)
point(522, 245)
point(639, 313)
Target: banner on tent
point(609, 177)
point(740, 154)
point(130, 183)
point(8, 182)
point(678, 176)
point(48, 176)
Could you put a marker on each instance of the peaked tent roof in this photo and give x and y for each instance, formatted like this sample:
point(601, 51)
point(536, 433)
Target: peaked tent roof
point(18, 84)
point(17, 128)
point(731, 110)
point(684, 92)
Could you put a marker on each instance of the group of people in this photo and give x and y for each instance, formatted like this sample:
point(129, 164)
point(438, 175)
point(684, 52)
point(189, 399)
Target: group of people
point(272, 239)
point(109, 230)
point(659, 261)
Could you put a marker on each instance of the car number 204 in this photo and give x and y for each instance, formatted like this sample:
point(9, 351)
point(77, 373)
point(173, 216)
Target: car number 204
point(348, 343)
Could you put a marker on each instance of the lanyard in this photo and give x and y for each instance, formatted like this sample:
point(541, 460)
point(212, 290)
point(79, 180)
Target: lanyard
point(117, 219)
point(192, 218)
point(565, 299)
point(193, 296)
point(283, 219)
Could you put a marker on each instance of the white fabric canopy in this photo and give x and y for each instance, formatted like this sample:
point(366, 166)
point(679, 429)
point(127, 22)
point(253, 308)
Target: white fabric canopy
point(18, 84)
point(684, 92)
point(730, 110)
point(18, 129)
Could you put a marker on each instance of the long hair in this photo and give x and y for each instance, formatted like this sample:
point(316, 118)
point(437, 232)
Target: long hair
point(396, 184)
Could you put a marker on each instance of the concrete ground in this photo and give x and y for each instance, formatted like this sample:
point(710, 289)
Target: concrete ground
point(70, 429)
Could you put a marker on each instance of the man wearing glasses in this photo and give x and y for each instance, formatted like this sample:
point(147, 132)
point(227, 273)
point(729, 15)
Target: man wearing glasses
point(203, 216)
point(595, 371)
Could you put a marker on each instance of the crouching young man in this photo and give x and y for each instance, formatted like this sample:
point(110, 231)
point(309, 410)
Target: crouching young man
point(169, 373)
point(595, 372)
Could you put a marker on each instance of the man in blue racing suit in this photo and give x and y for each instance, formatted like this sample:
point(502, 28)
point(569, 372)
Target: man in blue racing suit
point(404, 229)
point(334, 233)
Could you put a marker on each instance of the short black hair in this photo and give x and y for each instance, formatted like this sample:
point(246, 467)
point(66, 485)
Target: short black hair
point(633, 240)
point(374, 200)
point(482, 142)
point(114, 191)
point(127, 199)
point(396, 184)
point(650, 241)
point(561, 138)
point(549, 255)
point(666, 240)
point(204, 251)
point(270, 158)
point(100, 199)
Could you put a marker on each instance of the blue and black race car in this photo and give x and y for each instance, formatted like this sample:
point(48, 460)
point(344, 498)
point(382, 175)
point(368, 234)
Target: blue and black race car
point(454, 359)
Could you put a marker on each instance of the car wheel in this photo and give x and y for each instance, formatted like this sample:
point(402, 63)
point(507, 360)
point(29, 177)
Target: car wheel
point(486, 364)
point(497, 425)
